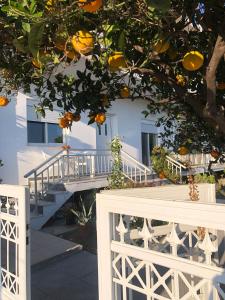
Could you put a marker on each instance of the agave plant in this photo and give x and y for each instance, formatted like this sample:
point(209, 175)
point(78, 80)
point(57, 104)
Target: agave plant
point(86, 214)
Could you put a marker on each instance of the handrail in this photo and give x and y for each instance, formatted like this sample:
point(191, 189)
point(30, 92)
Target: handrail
point(136, 161)
point(42, 164)
point(91, 150)
point(176, 162)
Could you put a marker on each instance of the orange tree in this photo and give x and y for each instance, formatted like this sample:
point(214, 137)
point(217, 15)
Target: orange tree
point(170, 53)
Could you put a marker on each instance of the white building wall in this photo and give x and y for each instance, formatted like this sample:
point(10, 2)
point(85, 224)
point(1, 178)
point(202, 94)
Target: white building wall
point(128, 118)
point(18, 156)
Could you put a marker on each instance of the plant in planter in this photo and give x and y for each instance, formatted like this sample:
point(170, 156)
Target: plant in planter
point(86, 214)
point(159, 164)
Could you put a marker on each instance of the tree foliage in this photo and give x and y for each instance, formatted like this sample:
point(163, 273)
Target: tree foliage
point(192, 108)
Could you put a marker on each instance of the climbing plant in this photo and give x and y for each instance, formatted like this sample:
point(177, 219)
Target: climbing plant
point(159, 164)
point(116, 179)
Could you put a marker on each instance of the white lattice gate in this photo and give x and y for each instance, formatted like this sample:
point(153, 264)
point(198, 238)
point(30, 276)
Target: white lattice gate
point(14, 243)
point(152, 249)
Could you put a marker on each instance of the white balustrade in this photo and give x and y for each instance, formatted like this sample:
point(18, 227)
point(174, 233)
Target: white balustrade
point(154, 249)
point(134, 170)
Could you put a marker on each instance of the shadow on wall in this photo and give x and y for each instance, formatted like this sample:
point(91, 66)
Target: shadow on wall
point(10, 133)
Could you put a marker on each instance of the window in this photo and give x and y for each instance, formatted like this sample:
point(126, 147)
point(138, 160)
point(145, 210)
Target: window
point(106, 130)
point(40, 132)
point(36, 132)
point(54, 133)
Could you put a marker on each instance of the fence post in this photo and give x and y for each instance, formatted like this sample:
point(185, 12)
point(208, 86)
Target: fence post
point(35, 193)
point(68, 164)
point(92, 161)
point(104, 229)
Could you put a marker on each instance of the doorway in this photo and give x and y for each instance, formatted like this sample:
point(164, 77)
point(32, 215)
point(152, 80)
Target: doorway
point(148, 141)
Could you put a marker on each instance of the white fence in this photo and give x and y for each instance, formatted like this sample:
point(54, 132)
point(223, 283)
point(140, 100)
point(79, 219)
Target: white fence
point(159, 249)
point(14, 243)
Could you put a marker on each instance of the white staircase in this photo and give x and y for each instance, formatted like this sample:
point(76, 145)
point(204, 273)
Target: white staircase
point(198, 164)
point(54, 181)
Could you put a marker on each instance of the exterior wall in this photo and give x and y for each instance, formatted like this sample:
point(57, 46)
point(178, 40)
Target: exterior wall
point(18, 156)
point(127, 118)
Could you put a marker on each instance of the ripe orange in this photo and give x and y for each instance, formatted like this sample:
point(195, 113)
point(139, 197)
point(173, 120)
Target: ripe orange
point(4, 101)
point(162, 175)
point(90, 6)
point(100, 118)
point(83, 42)
point(161, 46)
point(69, 116)
point(193, 60)
point(63, 122)
point(116, 61)
point(182, 150)
point(215, 153)
point(181, 80)
point(125, 92)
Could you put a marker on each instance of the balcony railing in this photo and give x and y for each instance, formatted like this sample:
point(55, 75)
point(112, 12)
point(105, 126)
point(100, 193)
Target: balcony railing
point(152, 247)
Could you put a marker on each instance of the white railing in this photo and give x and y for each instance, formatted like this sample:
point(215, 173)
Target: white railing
point(175, 167)
point(133, 169)
point(198, 160)
point(67, 166)
point(14, 243)
point(159, 249)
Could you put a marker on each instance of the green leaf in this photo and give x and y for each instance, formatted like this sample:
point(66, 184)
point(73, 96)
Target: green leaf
point(122, 41)
point(26, 27)
point(163, 5)
point(21, 44)
point(35, 38)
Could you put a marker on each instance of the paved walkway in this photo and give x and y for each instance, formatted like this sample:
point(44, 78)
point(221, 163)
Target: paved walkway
point(70, 277)
point(45, 246)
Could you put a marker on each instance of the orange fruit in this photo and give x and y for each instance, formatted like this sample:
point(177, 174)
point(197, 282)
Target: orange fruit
point(182, 150)
point(4, 101)
point(83, 42)
point(92, 6)
point(220, 85)
point(161, 46)
point(63, 122)
point(181, 80)
point(162, 175)
point(215, 153)
point(116, 61)
point(125, 92)
point(193, 60)
point(100, 118)
point(76, 117)
point(69, 116)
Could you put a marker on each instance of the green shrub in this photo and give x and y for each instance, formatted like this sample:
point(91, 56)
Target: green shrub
point(159, 163)
point(204, 178)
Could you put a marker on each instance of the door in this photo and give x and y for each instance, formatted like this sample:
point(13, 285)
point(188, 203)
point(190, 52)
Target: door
point(149, 141)
point(104, 134)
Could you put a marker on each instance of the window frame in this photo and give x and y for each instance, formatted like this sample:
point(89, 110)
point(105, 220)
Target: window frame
point(46, 143)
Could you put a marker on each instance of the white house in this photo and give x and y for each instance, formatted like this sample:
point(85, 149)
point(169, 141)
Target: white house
point(28, 139)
